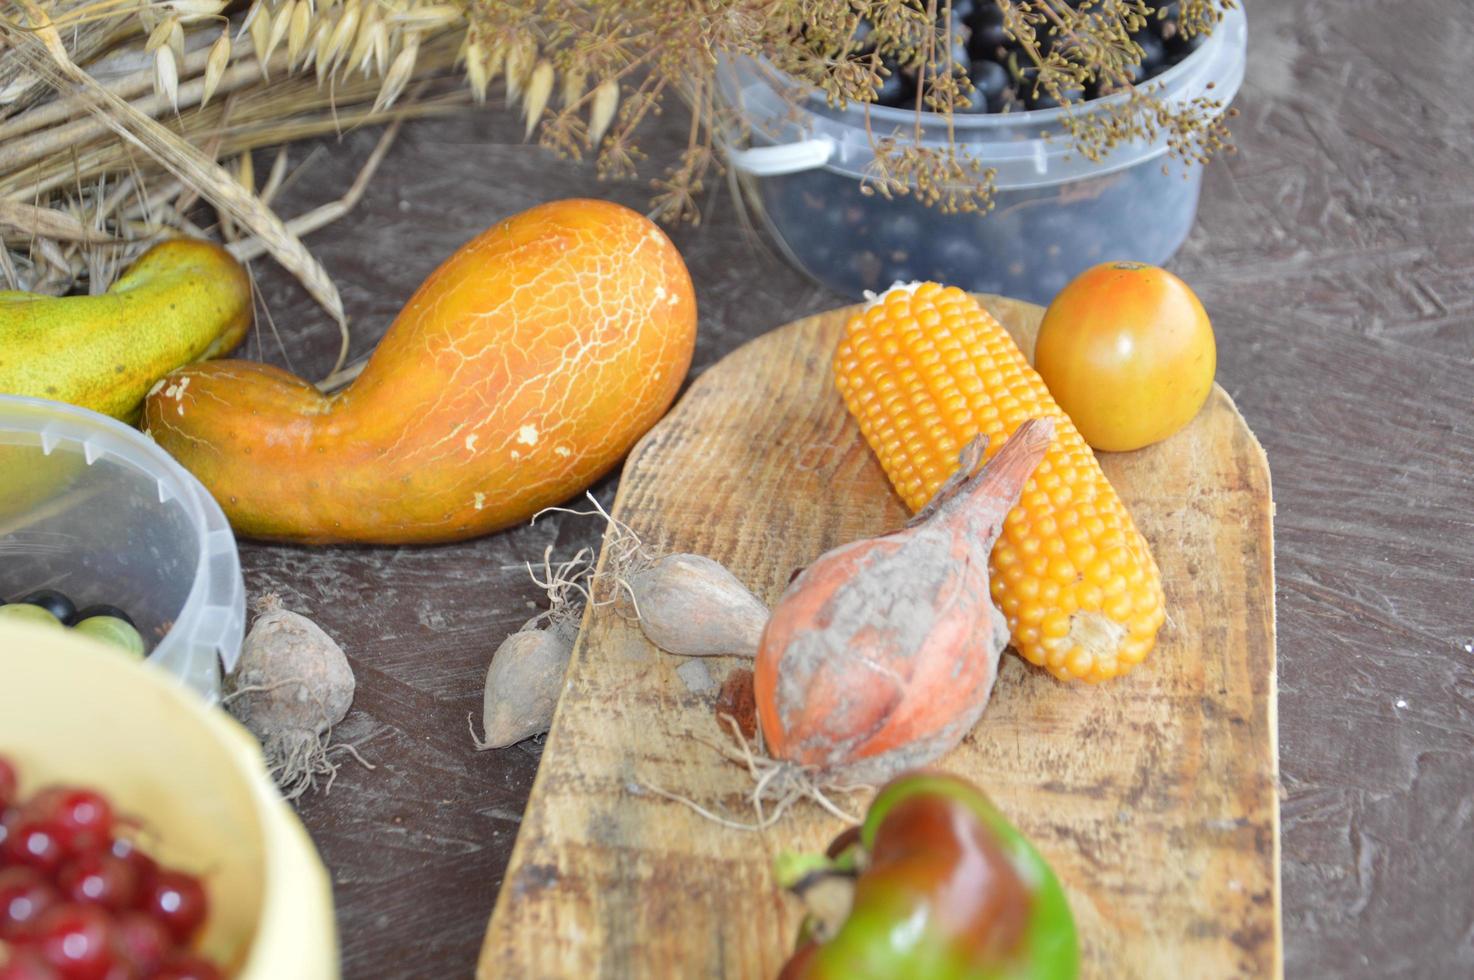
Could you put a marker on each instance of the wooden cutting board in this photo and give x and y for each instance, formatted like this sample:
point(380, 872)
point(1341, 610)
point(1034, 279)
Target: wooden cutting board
point(1154, 796)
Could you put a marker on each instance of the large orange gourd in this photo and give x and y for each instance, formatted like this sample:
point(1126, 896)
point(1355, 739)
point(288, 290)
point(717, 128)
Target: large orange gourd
point(521, 370)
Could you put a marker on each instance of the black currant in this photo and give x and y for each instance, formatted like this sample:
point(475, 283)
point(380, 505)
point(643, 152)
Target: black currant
point(53, 602)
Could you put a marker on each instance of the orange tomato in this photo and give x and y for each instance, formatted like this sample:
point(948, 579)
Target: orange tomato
point(1127, 351)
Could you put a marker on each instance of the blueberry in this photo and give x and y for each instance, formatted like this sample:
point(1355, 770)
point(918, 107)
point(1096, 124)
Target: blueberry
point(1165, 20)
point(988, 36)
point(987, 13)
point(1153, 51)
point(976, 102)
point(865, 269)
point(858, 42)
point(53, 602)
point(963, 10)
point(1181, 45)
point(1048, 283)
point(102, 609)
point(898, 234)
point(955, 257)
point(956, 60)
point(895, 88)
point(1037, 96)
point(990, 79)
point(990, 42)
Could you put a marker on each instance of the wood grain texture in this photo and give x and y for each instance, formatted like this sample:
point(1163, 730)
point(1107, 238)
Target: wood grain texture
point(1153, 796)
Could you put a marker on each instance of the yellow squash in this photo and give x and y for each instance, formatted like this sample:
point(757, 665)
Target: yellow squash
point(182, 301)
point(521, 371)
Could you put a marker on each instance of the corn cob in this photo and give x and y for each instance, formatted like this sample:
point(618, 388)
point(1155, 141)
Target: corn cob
point(924, 369)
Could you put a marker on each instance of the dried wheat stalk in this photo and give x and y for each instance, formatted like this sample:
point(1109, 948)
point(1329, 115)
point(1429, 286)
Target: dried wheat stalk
point(114, 115)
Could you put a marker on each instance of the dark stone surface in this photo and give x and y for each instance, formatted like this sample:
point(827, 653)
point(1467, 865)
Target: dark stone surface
point(1335, 257)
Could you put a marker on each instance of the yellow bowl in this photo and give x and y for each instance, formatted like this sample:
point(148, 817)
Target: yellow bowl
point(75, 711)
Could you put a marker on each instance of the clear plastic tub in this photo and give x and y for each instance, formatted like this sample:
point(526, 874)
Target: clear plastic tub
point(1056, 213)
point(94, 509)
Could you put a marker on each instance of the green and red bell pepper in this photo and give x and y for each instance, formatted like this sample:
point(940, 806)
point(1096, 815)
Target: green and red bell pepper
point(940, 886)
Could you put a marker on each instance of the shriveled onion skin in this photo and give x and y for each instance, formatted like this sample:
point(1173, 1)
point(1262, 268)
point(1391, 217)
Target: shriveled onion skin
point(881, 656)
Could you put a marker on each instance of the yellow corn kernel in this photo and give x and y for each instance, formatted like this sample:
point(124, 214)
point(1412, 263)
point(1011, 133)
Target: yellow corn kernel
point(924, 369)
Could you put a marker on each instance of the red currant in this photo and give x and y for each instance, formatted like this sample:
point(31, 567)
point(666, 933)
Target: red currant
point(144, 867)
point(28, 964)
point(177, 900)
point(77, 940)
point(8, 818)
point(8, 781)
point(25, 895)
point(99, 878)
point(82, 818)
point(33, 844)
point(141, 942)
point(183, 965)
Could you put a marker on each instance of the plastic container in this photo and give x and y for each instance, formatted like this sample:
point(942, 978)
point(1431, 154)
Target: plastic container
point(72, 710)
point(1056, 213)
point(93, 508)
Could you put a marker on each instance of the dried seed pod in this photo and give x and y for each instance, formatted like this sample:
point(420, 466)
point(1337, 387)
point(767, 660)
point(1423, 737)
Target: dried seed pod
point(316, 37)
point(343, 33)
point(539, 88)
point(426, 17)
point(215, 64)
point(399, 73)
point(245, 173)
point(297, 30)
point(160, 35)
point(280, 24)
point(363, 41)
point(496, 61)
point(693, 606)
point(381, 47)
point(476, 72)
point(260, 28)
point(520, 58)
point(319, 48)
point(254, 12)
point(190, 11)
point(574, 82)
point(601, 113)
point(176, 40)
point(166, 75)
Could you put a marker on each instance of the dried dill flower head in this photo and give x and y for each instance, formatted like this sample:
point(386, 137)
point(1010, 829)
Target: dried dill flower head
point(621, 60)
